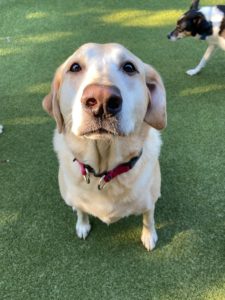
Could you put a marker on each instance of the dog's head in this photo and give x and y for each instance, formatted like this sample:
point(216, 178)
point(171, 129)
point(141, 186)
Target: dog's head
point(191, 23)
point(103, 90)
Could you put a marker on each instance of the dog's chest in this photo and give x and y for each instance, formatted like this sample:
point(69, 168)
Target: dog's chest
point(217, 40)
point(120, 198)
point(109, 209)
point(126, 194)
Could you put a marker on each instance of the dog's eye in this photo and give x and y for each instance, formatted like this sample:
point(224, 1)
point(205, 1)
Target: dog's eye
point(129, 68)
point(75, 68)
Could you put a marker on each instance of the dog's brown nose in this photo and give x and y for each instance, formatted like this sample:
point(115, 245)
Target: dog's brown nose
point(101, 100)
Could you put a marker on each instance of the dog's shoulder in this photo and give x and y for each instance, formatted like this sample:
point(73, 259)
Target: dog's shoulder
point(153, 143)
point(61, 148)
point(214, 14)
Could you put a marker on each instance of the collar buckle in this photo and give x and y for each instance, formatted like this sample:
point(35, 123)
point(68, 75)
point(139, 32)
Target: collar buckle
point(86, 176)
point(101, 183)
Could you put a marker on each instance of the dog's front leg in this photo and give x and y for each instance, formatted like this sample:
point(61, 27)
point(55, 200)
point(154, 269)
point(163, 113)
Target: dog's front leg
point(83, 226)
point(203, 61)
point(149, 235)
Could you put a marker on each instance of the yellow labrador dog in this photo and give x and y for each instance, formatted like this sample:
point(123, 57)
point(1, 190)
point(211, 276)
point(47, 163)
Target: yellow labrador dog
point(108, 106)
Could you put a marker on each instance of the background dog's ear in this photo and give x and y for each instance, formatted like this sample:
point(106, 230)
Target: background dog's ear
point(51, 104)
point(202, 26)
point(156, 111)
point(195, 4)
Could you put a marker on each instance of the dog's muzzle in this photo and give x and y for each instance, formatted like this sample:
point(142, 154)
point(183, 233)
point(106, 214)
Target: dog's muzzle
point(172, 36)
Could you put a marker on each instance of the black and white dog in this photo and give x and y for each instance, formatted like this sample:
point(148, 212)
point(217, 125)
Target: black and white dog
point(206, 23)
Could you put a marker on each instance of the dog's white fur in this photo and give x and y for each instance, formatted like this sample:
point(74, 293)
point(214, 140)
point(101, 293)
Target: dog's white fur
point(143, 108)
point(1, 128)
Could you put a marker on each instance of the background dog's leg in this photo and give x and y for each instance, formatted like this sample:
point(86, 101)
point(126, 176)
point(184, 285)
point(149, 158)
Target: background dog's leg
point(83, 226)
point(149, 235)
point(1, 128)
point(203, 61)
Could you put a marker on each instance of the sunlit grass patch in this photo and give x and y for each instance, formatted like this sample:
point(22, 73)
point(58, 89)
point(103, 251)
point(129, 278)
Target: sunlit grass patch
point(143, 18)
point(39, 88)
point(9, 51)
point(7, 217)
point(36, 15)
point(163, 224)
point(31, 120)
point(45, 37)
point(202, 89)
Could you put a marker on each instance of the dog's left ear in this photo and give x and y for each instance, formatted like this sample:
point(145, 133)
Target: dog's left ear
point(156, 111)
point(195, 4)
point(202, 26)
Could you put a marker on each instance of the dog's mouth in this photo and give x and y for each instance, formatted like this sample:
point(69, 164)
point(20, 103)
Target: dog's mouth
point(173, 36)
point(99, 131)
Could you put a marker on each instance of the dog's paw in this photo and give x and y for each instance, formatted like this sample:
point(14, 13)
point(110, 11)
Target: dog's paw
point(82, 230)
point(1, 128)
point(192, 72)
point(149, 238)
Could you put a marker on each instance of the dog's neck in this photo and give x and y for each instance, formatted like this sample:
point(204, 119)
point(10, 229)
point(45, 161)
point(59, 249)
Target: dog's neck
point(106, 154)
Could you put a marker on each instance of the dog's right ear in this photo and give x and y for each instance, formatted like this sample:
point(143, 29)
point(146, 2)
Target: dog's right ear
point(156, 111)
point(195, 4)
point(51, 102)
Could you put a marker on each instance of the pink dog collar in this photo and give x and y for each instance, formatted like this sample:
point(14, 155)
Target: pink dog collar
point(107, 176)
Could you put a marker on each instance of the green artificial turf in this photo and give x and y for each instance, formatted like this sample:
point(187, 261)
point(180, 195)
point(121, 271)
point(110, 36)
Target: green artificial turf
point(41, 258)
